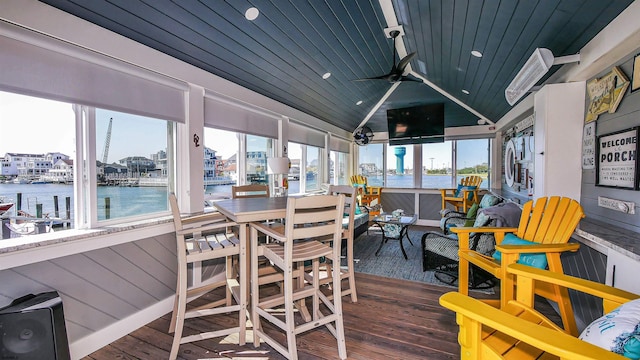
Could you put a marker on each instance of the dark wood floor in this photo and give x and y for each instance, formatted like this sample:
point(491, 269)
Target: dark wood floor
point(393, 319)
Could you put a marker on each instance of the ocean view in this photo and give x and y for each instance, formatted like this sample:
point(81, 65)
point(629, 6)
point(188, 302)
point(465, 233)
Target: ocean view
point(153, 199)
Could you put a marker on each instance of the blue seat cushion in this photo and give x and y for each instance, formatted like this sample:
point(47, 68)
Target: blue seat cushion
point(538, 260)
point(459, 191)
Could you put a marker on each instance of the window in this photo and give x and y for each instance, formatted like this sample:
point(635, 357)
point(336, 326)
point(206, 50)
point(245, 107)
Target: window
point(258, 150)
point(37, 153)
point(338, 168)
point(312, 168)
point(295, 156)
point(220, 163)
point(370, 163)
point(473, 159)
point(133, 169)
point(400, 166)
point(305, 173)
point(436, 165)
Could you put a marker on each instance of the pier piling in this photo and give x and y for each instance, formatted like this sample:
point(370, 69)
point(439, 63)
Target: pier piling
point(55, 206)
point(5, 233)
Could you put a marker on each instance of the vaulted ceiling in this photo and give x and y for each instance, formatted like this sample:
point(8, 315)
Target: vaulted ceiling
point(285, 51)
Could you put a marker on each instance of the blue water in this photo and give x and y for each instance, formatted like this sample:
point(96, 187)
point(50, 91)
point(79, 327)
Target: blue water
point(145, 199)
point(130, 201)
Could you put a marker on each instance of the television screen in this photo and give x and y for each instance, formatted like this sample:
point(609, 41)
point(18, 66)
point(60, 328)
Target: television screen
point(416, 125)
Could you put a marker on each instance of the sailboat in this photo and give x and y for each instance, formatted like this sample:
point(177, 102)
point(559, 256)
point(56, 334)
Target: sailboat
point(4, 206)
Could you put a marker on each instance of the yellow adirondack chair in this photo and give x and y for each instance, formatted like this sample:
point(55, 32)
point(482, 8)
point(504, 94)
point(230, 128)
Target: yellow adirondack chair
point(464, 196)
point(517, 331)
point(368, 196)
point(549, 223)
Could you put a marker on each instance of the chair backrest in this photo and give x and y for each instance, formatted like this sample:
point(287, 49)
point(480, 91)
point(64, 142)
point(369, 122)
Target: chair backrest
point(550, 220)
point(473, 180)
point(206, 235)
point(249, 191)
point(315, 217)
point(349, 203)
point(175, 211)
point(358, 180)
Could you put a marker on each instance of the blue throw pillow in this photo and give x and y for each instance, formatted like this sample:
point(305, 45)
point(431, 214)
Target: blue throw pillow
point(459, 191)
point(488, 200)
point(538, 260)
point(363, 186)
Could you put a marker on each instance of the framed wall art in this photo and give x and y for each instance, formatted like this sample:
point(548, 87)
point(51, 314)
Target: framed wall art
point(635, 78)
point(618, 160)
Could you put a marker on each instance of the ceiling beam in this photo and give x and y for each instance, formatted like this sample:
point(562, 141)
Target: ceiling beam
point(392, 21)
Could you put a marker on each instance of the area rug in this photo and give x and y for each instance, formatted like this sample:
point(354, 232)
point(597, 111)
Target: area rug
point(390, 262)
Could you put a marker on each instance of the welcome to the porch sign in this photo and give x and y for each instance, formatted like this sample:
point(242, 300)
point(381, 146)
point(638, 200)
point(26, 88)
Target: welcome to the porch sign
point(617, 159)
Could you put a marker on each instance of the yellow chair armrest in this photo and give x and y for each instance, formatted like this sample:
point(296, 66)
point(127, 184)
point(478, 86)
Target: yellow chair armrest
point(486, 263)
point(612, 297)
point(546, 248)
point(483, 229)
point(460, 198)
point(471, 312)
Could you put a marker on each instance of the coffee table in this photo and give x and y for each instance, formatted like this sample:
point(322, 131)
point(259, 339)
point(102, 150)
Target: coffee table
point(403, 222)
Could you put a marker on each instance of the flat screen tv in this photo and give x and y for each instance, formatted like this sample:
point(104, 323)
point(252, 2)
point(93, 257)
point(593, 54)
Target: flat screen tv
point(416, 125)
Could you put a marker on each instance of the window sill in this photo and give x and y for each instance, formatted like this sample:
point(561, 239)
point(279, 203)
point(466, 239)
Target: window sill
point(31, 249)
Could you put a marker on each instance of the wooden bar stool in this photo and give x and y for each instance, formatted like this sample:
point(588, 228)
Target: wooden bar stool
point(347, 273)
point(201, 238)
point(309, 222)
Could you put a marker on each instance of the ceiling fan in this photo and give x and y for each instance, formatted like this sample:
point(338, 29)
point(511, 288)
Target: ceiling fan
point(362, 135)
point(397, 71)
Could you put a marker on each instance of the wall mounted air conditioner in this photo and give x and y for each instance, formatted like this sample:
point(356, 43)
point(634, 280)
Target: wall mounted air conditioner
point(533, 70)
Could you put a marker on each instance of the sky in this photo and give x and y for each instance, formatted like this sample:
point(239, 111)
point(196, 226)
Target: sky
point(470, 152)
point(33, 125)
point(38, 126)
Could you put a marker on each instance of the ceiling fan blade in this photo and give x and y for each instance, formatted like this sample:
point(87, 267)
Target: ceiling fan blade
point(381, 77)
point(405, 61)
point(407, 78)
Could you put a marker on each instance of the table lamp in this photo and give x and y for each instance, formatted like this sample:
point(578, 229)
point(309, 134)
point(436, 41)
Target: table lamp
point(278, 166)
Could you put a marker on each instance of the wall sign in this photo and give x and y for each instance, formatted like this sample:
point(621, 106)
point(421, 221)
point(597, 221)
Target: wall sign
point(589, 146)
point(627, 207)
point(605, 93)
point(617, 159)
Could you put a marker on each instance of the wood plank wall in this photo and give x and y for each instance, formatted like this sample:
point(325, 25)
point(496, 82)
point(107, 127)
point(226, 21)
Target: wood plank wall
point(100, 287)
point(626, 116)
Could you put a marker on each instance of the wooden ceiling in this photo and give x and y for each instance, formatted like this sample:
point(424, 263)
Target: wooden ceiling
point(284, 52)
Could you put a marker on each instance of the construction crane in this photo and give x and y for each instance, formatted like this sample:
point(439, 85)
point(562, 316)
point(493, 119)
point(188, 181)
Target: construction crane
point(105, 152)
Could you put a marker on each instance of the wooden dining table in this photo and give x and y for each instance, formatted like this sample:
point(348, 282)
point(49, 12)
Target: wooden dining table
point(246, 210)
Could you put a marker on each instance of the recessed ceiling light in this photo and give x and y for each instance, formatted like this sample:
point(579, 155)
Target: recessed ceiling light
point(326, 75)
point(359, 102)
point(476, 53)
point(251, 13)
point(465, 91)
